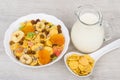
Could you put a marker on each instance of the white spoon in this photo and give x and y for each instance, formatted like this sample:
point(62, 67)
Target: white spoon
point(95, 55)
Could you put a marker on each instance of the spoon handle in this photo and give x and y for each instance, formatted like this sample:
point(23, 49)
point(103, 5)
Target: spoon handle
point(113, 45)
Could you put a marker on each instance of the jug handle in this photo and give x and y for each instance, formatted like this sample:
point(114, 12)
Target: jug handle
point(77, 11)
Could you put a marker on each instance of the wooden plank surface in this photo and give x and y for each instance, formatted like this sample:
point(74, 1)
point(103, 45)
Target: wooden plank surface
point(107, 68)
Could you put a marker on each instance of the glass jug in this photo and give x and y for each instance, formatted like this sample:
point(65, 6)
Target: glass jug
point(88, 32)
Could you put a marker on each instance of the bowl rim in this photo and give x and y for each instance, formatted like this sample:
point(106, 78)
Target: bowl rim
point(67, 40)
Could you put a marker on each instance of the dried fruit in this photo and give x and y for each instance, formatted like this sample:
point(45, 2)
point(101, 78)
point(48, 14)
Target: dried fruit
point(44, 56)
point(11, 42)
point(30, 35)
point(38, 20)
point(19, 49)
point(33, 21)
point(28, 28)
point(59, 29)
point(57, 50)
point(57, 39)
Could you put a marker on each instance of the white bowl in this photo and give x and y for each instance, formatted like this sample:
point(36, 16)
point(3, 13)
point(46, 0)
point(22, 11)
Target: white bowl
point(15, 25)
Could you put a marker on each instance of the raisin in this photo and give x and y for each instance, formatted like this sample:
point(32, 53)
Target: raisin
point(59, 26)
point(54, 45)
point(33, 52)
point(42, 41)
point(53, 55)
point(30, 52)
point(46, 23)
point(21, 42)
point(42, 36)
point(59, 29)
point(11, 42)
point(33, 21)
point(17, 58)
point(46, 32)
point(37, 20)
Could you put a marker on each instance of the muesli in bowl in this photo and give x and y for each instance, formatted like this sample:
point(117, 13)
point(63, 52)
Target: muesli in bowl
point(38, 42)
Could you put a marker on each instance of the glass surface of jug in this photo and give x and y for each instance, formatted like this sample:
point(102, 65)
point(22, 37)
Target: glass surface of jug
point(87, 33)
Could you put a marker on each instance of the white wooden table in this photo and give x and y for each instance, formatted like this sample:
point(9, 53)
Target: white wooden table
point(107, 68)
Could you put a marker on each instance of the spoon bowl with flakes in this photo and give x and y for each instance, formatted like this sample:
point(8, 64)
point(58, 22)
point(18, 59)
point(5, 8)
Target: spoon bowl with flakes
point(82, 65)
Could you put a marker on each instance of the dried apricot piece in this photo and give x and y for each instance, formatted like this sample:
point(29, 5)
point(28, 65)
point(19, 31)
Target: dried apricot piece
point(57, 39)
point(44, 56)
point(28, 28)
